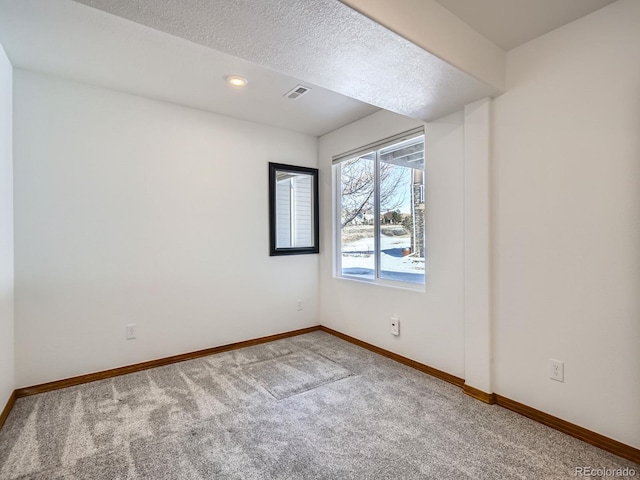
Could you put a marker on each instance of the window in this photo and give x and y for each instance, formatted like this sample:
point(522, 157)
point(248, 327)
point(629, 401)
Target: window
point(380, 215)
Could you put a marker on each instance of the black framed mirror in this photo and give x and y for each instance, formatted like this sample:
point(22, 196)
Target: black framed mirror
point(293, 210)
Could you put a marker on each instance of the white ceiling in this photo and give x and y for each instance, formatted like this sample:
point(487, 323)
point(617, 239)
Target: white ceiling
point(321, 41)
point(180, 52)
point(510, 23)
point(73, 41)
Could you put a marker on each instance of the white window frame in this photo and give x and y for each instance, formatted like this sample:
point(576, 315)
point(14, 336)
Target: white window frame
point(337, 213)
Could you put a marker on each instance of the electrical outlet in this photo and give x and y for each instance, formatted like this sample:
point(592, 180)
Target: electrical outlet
point(556, 370)
point(299, 305)
point(395, 325)
point(131, 331)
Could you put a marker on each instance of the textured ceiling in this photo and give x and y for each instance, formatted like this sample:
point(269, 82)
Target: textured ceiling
point(510, 23)
point(180, 50)
point(77, 42)
point(321, 41)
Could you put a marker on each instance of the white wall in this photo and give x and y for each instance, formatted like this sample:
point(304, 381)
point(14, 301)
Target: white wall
point(567, 222)
point(432, 323)
point(130, 210)
point(6, 229)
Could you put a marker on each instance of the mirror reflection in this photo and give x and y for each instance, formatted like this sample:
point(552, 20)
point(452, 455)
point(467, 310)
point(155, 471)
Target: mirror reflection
point(293, 202)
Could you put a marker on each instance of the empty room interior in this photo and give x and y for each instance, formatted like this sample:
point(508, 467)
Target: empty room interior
point(319, 239)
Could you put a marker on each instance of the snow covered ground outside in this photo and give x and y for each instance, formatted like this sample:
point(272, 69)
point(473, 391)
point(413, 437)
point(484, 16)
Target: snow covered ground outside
point(358, 258)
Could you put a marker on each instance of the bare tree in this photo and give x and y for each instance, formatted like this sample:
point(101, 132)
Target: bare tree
point(358, 180)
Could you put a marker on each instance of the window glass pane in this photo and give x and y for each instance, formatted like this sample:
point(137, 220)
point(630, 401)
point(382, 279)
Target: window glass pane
point(402, 212)
point(401, 224)
point(357, 181)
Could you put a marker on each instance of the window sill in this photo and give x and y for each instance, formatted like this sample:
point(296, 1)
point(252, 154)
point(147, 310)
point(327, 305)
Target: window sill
point(412, 287)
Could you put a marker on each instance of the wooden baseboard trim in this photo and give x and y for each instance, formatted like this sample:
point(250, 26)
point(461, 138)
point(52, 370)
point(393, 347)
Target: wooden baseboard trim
point(581, 433)
point(7, 408)
point(434, 372)
point(485, 397)
point(114, 372)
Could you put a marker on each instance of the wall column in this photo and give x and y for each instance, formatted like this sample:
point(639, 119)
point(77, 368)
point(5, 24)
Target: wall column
point(477, 304)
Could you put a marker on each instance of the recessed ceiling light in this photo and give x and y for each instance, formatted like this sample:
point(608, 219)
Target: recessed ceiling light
point(237, 81)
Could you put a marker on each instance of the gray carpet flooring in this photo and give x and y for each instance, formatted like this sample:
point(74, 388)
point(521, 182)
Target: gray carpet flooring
point(307, 407)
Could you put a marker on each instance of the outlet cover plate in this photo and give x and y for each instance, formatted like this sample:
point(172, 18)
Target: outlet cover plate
point(556, 370)
point(131, 331)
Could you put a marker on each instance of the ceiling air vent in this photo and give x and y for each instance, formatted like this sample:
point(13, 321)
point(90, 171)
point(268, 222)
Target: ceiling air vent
point(297, 92)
